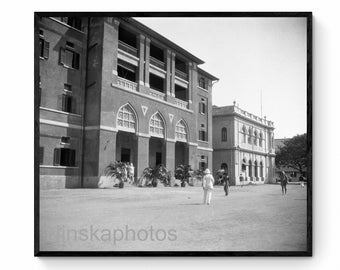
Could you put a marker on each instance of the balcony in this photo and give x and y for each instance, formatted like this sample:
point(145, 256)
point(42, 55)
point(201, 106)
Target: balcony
point(181, 74)
point(157, 94)
point(157, 63)
point(127, 48)
point(181, 103)
point(126, 84)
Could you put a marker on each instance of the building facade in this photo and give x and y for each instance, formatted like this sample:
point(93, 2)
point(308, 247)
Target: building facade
point(111, 89)
point(243, 143)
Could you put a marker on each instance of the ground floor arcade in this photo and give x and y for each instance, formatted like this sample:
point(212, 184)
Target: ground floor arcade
point(256, 168)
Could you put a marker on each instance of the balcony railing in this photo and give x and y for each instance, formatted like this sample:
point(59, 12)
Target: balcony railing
point(157, 94)
point(127, 48)
point(181, 103)
point(157, 63)
point(181, 75)
point(129, 85)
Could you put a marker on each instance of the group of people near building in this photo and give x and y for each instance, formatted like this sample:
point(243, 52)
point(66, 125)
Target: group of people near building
point(128, 172)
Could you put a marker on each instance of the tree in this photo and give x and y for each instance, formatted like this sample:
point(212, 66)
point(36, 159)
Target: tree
point(293, 153)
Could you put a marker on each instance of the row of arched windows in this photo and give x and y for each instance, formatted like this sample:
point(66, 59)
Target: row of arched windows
point(127, 121)
point(255, 169)
point(252, 136)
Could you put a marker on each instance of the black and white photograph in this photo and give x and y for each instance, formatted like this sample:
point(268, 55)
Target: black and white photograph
point(173, 133)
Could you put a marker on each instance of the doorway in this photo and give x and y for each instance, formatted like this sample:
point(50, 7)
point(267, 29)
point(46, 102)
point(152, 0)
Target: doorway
point(125, 155)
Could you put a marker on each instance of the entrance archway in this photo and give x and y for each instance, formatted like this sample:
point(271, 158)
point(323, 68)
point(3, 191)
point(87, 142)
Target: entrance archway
point(181, 145)
point(157, 142)
point(126, 140)
point(126, 147)
point(224, 166)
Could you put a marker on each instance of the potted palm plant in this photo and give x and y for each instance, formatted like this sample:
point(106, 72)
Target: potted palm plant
point(118, 170)
point(153, 175)
point(183, 173)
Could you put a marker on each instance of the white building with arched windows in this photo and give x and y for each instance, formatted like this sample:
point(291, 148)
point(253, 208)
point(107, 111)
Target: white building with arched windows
point(243, 143)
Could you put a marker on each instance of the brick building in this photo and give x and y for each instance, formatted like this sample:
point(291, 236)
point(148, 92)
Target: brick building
point(243, 143)
point(113, 89)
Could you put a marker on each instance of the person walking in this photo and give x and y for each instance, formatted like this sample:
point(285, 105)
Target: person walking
point(131, 173)
point(241, 179)
point(284, 180)
point(208, 186)
point(226, 184)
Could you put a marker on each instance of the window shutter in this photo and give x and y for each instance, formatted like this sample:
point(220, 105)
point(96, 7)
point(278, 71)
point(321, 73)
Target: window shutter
point(62, 102)
point(75, 63)
point(62, 56)
point(46, 49)
point(72, 157)
point(68, 104)
point(74, 105)
point(56, 157)
point(200, 107)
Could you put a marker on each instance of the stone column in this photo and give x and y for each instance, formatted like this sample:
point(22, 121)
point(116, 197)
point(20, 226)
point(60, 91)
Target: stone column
point(107, 149)
point(147, 62)
point(115, 50)
point(170, 157)
point(192, 156)
point(143, 154)
point(168, 73)
point(190, 86)
point(172, 87)
point(141, 49)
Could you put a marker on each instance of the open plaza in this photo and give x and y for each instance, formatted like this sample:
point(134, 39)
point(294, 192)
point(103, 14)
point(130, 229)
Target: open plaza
point(251, 218)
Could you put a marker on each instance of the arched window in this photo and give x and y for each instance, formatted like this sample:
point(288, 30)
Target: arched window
point(256, 169)
point(244, 130)
point(224, 167)
point(249, 138)
point(156, 126)
point(261, 169)
point(224, 134)
point(261, 139)
point(255, 137)
point(126, 119)
point(181, 133)
point(250, 169)
point(244, 165)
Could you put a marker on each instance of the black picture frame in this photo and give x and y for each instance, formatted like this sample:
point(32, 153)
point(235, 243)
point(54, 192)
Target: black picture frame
point(309, 64)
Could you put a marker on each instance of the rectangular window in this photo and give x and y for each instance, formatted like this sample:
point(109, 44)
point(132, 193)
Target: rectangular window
point(69, 58)
point(65, 140)
point(202, 166)
point(67, 87)
point(67, 103)
point(202, 135)
point(44, 48)
point(64, 157)
point(202, 83)
point(72, 21)
point(202, 107)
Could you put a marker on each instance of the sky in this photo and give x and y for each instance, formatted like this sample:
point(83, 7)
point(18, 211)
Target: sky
point(252, 57)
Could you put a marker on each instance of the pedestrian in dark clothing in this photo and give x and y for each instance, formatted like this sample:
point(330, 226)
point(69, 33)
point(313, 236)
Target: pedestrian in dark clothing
point(284, 180)
point(226, 184)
